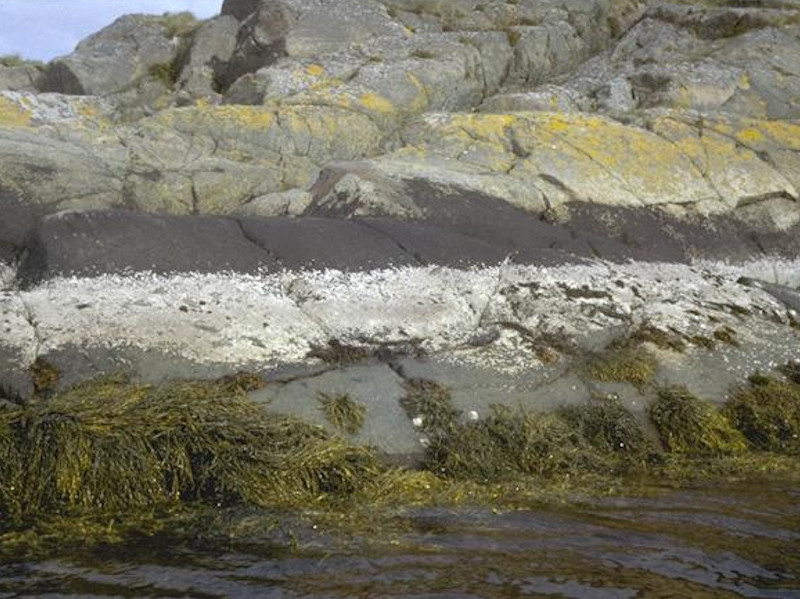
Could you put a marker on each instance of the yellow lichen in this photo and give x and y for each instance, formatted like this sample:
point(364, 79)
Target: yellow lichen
point(750, 135)
point(12, 114)
point(315, 70)
point(376, 103)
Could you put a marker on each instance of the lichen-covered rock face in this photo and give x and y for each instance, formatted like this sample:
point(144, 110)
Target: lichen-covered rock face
point(530, 202)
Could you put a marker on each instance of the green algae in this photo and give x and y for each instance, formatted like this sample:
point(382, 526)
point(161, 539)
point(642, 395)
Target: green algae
point(688, 425)
point(767, 411)
point(726, 335)
point(44, 377)
point(791, 371)
point(113, 446)
point(609, 427)
point(508, 444)
point(342, 412)
point(111, 460)
point(658, 337)
point(429, 403)
point(623, 364)
point(339, 354)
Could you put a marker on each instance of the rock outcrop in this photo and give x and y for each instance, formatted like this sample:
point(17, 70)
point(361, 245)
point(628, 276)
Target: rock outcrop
point(354, 194)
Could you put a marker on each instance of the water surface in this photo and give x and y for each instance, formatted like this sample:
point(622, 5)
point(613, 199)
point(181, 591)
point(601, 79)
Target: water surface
point(731, 540)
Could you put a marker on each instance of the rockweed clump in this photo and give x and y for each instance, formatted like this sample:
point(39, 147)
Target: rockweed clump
point(688, 425)
point(767, 411)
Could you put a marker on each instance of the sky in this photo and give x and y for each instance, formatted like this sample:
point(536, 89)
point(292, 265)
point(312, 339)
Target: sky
point(44, 29)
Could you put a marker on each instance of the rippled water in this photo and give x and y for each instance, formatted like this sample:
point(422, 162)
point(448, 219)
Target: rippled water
point(724, 541)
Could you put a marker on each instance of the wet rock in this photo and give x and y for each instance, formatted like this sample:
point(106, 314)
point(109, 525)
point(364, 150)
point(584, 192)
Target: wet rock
point(375, 387)
point(325, 243)
point(96, 243)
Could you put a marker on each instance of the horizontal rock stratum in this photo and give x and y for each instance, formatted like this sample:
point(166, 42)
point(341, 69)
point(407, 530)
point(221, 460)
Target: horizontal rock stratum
point(534, 203)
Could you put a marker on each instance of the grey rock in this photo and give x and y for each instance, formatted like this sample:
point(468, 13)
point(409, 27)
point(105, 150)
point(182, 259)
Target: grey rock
point(302, 29)
point(288, 77)
point(713, 60)
point(544, 97)
point(542, 51)
point(292, 202)
point(18, 220)
point(111, 59)
point(95, 243)
point(211, 48)
point(312, 243)
point(20, 78)
point(373, 386)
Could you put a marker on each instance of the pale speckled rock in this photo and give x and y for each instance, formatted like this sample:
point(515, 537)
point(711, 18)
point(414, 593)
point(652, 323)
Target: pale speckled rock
point(265, 321)
point(376, 387)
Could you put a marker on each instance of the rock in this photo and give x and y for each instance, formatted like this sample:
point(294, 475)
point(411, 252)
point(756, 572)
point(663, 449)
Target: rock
point(302, 29)
point(311, 243)
point(239, 9)
point(542, 51)
point(88, 244)
point(19, 346)
point(499, 185)
point(494, 317)
point(375, 387)
point(24, 77)
point(728, 60)
point(205, 159)
point(282, 203)
point(112, 58)
point(540, 161)
point(546, 98)
point(18, 220)
point(211, 48)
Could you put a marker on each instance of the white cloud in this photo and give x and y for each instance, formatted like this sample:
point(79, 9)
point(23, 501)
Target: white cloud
point(44, 29)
